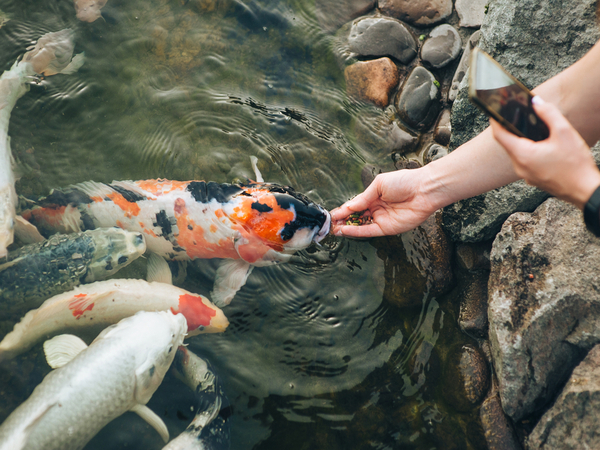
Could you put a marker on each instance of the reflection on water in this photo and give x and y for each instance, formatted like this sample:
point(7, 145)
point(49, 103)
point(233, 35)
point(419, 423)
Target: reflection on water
point(315, 356)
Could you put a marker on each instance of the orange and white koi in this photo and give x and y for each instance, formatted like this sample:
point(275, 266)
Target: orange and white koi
point(253, 224)
point(103, 303)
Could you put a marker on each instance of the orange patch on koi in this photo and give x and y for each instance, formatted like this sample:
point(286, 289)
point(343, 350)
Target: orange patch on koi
point(97, 199)
point(120, 224)
point(266, 225)
point(195, 311)
point(77, 306)
point(191, 237)
point(213, 228)
point(130, 208)
point(161, 186)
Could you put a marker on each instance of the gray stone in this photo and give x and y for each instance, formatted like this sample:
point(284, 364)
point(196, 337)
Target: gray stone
point(572, 422)
point(534, 40)
point(417, 12)
point(435, 151)
point(473, 256)
point(368, 174)
point(443, 128)
point(442, 46)
point(463, 66)
point(471, 12)
point(383, 36)
point(418, 104)
point(332, 15)
point(544, 303)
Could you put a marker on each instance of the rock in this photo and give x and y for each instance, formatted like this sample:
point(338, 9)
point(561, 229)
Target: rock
point(402, 163)
point(383, 36)
point(466, 378)
point(372, 81)
point(418, 103)
point(332, 15)
point(534, 40)
point(544, 303)
point(473, 256)
point(463, 66)
point(417, 12)
point(572, 422)
point(415, 262)
point(472, 319)
point(498, 429)
point(435, 151)
point(383, 139)
point(368, 174)
point(442, 46)
point(443, 129)
point(471, 12)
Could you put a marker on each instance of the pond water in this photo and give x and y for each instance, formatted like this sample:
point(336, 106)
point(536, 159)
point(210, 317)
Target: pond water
point(315, 356)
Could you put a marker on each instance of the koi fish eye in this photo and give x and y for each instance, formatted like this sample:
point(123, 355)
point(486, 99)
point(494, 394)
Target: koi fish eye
point(122, 260)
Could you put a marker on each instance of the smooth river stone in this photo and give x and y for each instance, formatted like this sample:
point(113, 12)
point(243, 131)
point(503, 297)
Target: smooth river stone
point(382, 36)
point(442, 46)
point(418, 104)
point(417, 12)
point(471, 12)
point(333, 14)
point(372, 81)
point(463, 66)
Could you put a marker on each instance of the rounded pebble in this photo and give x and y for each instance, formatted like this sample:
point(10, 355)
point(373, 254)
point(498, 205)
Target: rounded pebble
point(441, 47)
point(383, 36)
point(418, 103)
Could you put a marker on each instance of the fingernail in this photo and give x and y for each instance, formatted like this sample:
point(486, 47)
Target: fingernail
point(537, 100)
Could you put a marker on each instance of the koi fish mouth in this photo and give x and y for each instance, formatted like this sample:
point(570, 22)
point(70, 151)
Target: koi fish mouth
point(324, 231)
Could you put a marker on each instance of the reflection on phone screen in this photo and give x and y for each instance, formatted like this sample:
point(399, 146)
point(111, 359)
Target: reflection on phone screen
point(502, 94)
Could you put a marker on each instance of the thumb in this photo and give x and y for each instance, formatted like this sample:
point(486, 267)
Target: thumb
point(549, 113)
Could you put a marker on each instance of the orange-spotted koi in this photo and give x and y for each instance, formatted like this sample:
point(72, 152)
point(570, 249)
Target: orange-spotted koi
point(253, 224)
point(97, 305)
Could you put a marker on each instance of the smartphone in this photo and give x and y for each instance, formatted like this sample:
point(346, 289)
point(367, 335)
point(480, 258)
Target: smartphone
point(503, 97)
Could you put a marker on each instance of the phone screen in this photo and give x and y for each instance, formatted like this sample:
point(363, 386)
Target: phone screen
point(499, 92)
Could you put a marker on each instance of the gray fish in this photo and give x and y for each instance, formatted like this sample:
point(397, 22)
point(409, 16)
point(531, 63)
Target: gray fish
point(209, 430)
point(118, 372)
point(35, 272)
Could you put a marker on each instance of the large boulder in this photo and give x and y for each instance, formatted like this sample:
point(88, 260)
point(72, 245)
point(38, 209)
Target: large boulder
point(544, 303)
point(572, 422)
point(534, 40)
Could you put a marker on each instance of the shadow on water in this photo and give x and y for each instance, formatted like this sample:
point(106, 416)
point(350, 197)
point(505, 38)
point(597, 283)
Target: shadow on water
point(320, 352)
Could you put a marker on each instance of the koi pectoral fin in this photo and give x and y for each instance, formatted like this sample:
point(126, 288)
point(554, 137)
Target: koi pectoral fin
point(231, 276)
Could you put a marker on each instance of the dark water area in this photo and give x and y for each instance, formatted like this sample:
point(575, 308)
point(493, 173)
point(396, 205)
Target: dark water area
point(317, 355)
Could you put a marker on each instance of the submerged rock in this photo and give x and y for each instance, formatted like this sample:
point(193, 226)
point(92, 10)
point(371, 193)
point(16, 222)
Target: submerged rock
point(471, 12)
point(372, 81)
point(417, 12)
point(382, 139)
point(418, 103)
point(435, 151)
point(442, 46)
point(498, 429)
point(534, 40)
point(544, 303)
point(332, 15)
point(368, 174)
point(473, 256)
point(383, 36)
point(473, 318)
point(466, 378)
point(572, 422)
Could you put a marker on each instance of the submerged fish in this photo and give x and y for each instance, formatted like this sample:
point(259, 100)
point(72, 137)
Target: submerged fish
point(118, 372)
point(253, 224)
point(208, 430)
point(31, 274)
point(51, 55)
point(105, 303)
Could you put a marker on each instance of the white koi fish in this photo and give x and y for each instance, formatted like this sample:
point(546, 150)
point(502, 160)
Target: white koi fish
point(253, 224)
point(104, 303)
point(118, 372)
point(51, 55)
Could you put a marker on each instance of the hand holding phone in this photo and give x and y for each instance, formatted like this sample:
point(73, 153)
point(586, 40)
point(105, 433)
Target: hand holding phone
point(503, 97)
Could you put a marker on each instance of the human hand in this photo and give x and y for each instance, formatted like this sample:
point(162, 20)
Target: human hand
point(393, 200)
point(561, 165)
